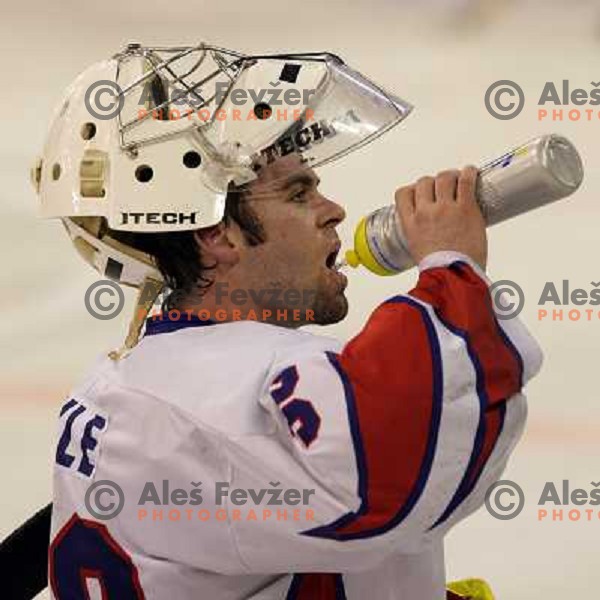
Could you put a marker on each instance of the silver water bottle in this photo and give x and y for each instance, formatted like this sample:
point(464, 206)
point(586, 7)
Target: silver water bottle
point(537, 173)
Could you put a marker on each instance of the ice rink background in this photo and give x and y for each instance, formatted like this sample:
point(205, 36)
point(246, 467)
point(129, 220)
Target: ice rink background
point(441, 56)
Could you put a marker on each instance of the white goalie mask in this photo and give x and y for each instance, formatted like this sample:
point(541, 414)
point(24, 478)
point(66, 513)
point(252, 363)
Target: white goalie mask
point(152, 138)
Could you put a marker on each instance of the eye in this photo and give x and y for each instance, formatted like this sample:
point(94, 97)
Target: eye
point(300, 196)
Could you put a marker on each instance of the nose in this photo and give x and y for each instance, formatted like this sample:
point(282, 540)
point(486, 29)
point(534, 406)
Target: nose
point(332, 215)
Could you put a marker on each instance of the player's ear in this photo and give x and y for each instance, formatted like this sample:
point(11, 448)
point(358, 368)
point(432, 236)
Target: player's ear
point(217, 245)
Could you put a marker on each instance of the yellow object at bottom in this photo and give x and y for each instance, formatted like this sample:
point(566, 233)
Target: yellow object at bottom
point(471, 589)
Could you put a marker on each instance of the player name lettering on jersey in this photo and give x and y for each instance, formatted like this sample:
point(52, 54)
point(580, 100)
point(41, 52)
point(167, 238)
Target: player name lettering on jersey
point(82, 427)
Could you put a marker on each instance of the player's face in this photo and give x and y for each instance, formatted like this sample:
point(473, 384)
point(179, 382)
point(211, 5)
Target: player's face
point(301, 243)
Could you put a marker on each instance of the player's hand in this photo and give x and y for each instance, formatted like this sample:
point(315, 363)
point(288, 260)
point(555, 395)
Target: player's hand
point(441, 213)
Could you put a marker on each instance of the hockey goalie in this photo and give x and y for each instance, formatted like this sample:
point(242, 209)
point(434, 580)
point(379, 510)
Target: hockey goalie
point(223, 452)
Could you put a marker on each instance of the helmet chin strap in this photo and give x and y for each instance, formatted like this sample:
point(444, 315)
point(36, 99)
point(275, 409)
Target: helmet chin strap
point(148, 292)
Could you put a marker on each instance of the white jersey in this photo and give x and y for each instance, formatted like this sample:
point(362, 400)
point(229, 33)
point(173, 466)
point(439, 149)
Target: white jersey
point(243, 460)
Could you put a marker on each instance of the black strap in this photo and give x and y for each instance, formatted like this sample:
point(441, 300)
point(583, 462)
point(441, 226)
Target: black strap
point(24, 557)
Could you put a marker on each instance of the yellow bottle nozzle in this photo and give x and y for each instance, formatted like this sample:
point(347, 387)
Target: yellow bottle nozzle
point(361, 254)
point(352, 258)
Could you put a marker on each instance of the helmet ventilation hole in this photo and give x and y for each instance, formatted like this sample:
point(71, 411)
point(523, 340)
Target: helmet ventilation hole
point(192, 159)
point(144, 173)
point(262, 111)
point(55, 171)
point(88, 131)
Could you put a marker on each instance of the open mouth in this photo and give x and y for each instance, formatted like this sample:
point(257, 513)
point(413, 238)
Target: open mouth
point(330, 261)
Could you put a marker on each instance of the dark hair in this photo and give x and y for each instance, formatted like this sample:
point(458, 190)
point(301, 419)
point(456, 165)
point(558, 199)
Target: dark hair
point(177, 254)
